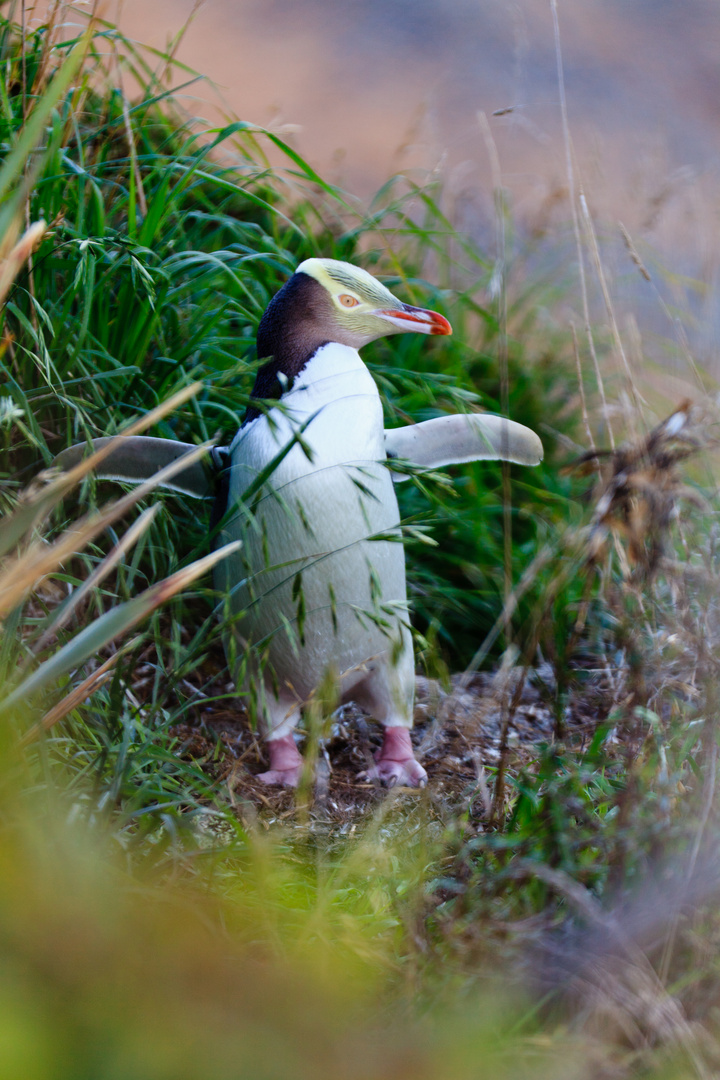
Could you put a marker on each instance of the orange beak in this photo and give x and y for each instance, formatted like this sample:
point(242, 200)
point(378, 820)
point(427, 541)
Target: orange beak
point(408, 318)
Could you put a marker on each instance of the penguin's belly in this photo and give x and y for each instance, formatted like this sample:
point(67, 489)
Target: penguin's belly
point(319, 591)
point(312, 586)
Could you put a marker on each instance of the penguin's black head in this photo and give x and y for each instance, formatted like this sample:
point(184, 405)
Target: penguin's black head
point(326, 300)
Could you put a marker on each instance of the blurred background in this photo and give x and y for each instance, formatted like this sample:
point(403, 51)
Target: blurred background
point(365, 89)
point(375, 86)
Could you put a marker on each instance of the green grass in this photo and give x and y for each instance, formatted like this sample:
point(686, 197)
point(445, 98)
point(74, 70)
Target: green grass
point(122, 311)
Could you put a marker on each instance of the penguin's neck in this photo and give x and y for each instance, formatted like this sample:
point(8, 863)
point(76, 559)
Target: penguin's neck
point(335, 401)
point(335, 372)
point(332, 374)
point(278, 376)
point(292, 330)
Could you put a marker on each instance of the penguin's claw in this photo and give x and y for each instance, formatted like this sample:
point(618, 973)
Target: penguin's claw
point(285, 763)
point(395, 763)
point(409, 773)
point(285, 777)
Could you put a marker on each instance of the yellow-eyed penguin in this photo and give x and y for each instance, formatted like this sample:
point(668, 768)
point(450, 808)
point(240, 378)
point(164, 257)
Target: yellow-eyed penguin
point(319, 583)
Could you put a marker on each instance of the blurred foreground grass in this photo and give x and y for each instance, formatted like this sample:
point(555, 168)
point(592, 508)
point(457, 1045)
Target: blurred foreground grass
point(553, 916)
point(240, 967)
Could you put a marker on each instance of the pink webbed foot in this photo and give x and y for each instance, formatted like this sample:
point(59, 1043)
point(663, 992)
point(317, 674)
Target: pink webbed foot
point(285, 763)
point(395, 762)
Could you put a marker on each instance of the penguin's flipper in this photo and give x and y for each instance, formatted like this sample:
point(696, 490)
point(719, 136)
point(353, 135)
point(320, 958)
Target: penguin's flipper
point(136, 458)
point(452, 440)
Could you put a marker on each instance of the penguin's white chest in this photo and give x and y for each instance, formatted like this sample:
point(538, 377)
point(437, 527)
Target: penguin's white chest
point(317, 582)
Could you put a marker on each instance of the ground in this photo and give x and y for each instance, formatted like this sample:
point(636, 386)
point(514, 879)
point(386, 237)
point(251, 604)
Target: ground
point(457, 736)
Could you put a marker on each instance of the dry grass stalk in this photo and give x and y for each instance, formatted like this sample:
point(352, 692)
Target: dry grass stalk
point(501, 270)
point(708, 804)
point(501, 275)
point(48, 489)
point(169, 59)
point(130, 136)
point(128, 540)
point(147, 420)
point(22, 573)
point(632, 251)
point(672, 318)
point(576, 222)
point(76, 697)
point(581, 385)
point(14, 255)
point(615, 988)
point(108, 627)
point(602, 279)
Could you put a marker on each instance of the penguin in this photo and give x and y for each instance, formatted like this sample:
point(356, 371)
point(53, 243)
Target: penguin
point(317, 588)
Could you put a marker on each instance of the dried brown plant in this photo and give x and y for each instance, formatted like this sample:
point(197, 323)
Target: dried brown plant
point(639, 492)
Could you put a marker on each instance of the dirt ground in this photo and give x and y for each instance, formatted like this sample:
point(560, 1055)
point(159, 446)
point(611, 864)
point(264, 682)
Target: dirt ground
point(458, 734)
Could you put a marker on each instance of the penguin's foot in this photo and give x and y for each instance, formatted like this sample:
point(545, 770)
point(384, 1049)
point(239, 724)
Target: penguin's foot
point(285, 763)
point(395, 762)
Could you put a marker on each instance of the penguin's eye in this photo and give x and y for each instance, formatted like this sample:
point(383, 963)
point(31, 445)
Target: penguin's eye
point(348, 301)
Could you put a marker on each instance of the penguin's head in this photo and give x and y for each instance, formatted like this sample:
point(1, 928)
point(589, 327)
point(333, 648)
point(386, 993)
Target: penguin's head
point(355, 308)
point(326, 300)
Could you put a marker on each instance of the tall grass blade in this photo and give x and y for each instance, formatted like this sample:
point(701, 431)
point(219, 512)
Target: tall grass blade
point(38, 503)
point(33, 129)
point(110, 626)
point(124, 544)
point(22, 573)
point(76, 697)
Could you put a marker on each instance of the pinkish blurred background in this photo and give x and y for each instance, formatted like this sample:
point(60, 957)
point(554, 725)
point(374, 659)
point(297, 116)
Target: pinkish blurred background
point(367, 88)
point(377, 85)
